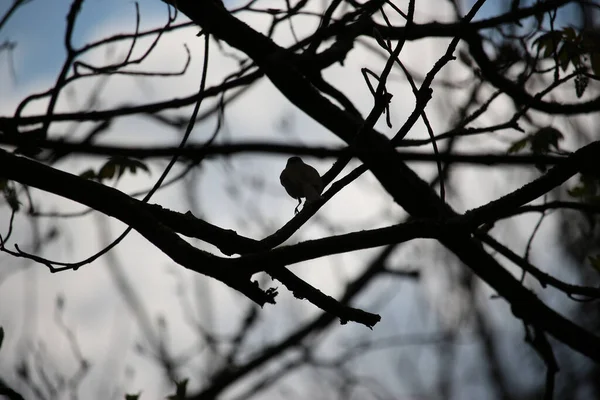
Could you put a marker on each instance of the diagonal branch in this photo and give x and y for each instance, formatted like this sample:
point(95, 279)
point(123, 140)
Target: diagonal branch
point(118, 205)
point(405, 187)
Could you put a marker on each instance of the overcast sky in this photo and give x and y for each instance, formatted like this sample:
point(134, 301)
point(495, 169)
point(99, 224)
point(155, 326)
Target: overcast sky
point(94, 309)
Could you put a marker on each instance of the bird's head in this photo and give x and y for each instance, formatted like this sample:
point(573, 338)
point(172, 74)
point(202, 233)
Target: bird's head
point(294, 160)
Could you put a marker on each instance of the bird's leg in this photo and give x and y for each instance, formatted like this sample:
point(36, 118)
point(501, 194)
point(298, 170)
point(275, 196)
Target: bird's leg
point(299, 202)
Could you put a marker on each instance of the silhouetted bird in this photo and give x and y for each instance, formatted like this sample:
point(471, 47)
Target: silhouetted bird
point(301, 180)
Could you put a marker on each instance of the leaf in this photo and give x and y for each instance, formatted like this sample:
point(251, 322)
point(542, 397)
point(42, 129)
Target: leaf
point(578, 191)
point(133, 164)
point(595, 262)
point(133, 396)
point(541, 41)
point(107, 171)
point(544, 139)
point(117, 166)
point(570, 34)
point(518, 145)
point(581, 83)
point(587, 188)
point(547, 43)
point(10, 195)
point(564, 57)
point(180, 390)
point(88, 174)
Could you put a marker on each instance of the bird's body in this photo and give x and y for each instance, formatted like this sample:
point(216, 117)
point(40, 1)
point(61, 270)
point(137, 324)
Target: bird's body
point(300, 180)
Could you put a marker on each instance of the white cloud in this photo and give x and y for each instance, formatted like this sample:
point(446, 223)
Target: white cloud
point(93, 302)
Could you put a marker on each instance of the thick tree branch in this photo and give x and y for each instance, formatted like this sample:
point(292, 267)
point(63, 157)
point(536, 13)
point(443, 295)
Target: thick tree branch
point(159, 226)
point(118, 205)
point(402, 183)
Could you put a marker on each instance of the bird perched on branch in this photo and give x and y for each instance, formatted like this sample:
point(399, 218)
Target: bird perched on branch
point(300, 180)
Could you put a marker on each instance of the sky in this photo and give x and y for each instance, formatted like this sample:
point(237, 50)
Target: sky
point(94, 309)
point(35, 27)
